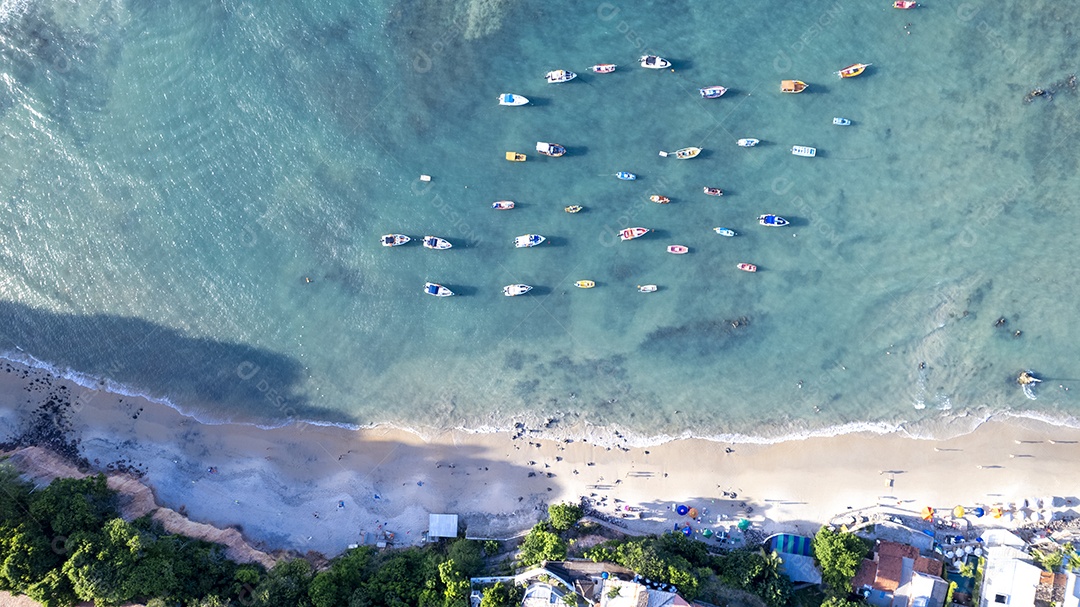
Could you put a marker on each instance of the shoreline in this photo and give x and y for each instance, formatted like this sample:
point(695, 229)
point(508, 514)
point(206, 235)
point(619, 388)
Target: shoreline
point(319, 488)
point(954, 427)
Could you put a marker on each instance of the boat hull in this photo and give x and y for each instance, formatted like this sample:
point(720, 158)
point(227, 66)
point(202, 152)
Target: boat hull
point(394, 240)
point(724, 232)
point(503, 205)
point(550, 149)
point(687, 153)
point(748, 143)
point(515, 290)
point(658, 199)
point(646, 288)
point(747, 267)
point(437, 290)
point(436, 243)
point(574, 208)
point(792, 86)
point(841, 122)
point(772, 221)
point(626, 176)
point(528, 240)
point(632, 233)
point(603, 68)
point(803, 150)
point(515, 157)
point(677, 249)
point(903, 4)
point(510, 99)
point(653, 62)
point(853, 70)
point(712, 92)
point(713, 191)
point(584, 284)
point(559, 76)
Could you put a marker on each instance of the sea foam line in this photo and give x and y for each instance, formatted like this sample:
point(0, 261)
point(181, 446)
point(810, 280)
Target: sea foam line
point(610, 436)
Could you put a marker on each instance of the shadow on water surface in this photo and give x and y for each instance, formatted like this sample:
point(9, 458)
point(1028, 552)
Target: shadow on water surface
point(232, 379)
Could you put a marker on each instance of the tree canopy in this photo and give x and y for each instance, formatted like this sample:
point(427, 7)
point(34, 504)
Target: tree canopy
point(541, 545)
point(564, 516)
point(840, 554)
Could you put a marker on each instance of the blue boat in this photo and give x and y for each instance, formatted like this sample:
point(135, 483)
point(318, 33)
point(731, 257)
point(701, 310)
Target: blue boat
point(774, 221)
point(625, 176)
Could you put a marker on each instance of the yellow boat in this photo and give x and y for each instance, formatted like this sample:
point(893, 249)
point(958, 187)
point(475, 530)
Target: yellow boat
point(854, 70)
point(574, 208)
point(515, 157)
point(584, 284)
point(792, 86)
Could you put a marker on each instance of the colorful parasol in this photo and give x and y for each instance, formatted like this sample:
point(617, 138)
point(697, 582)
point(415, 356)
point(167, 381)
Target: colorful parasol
point(927, 513)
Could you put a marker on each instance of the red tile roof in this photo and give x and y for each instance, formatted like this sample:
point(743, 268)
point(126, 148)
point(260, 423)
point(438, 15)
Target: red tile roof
point(929, 566)
point(865, 576)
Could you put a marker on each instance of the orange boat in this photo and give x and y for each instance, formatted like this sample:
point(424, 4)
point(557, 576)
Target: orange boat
point(658, 199)
point(747, 267)
point(792, 86)
point(854, 70)
point(904, 4)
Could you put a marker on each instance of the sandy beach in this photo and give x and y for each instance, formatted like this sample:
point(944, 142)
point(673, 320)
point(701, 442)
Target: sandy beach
point(309, 488)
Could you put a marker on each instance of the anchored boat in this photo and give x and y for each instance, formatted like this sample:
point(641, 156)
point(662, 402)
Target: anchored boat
point(515, 290)
point(792, 86)
point(904, 4)
point(625, 176)
point(658, 199)
point(394, 240)
point(712, 92)
point(747, 267)
point(632, 233)
point(584, 284)
point(712, 191)
point(804, 150)
point(854, 69)
point(841, 121)
point(687, 153)
point(434, 242)
point(515, 157)
point(646, 288)
point(724, 231)
point(437, 290)
point(512, 99)
point(772, 221)
point(748, 143)
point(603, 68)
point(557, 76)
point(528, 240)
point(653, 62)
point(677, 249)
point(574, 208)
point(503, 205)
point(550, 149)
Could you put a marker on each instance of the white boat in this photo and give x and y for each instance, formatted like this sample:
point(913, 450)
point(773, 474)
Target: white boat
point(632, 233)
point(804, 150)
point(515, 290)
point(557, 76)
point(528, 240)
point(841, 121)
point(512, 99)
point(394, 240)
point(712, 92)
point(772, 221)
point(502, 205)
point(724, 231)
point(437, 290)
point(434, 242)
point(653, 62)
point(646, 288)
point(748, 143)
point(550, 149)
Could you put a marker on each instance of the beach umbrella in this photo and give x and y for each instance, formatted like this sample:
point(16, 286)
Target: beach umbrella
point(707, 533)
point(687, 531)
point(958, 512)
point(958, 563)
point(681, 510)
point(969, 549)
point(996, 511)
point(1048, 502)
point(927, 513)
point(744, 524)
point(950, 554)
point(692, 513)
point(979, 512)
point(978, 552)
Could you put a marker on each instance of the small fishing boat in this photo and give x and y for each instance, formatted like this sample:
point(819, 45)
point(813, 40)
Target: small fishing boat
point(515, 157)
point(653, 62)
point(658, 199)
point(437, 290)
point(603, 68)
point(557, 76)
point(792, 86)
point(632, 233)
point(646, 288)
point(841, 121)
point(687, 153)
point(434, 242)
point(713, 191)
point(747, 267)
point(550, 149)
point(574, 208)
point(804, 150)
point(677, 249)
point(394, 240)
point(904, 4)
point(584, 284)
point(747, 143)
point(512, 99)
point(625, 176)
point(528, 240)
point(772, 221)
point(503, 205)
point(515, 290)
point(712, 92)
point(854, 69)
point(724, 232)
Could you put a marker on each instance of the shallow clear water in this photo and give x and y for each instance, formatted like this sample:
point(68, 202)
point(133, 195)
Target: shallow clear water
point(173, 175)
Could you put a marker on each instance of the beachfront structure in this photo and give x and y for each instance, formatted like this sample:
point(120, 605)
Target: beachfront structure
point(442, 525)
point(796, 554)
point(623, 593)
point(898, 576)
point(540, 594)
point(1009, 577)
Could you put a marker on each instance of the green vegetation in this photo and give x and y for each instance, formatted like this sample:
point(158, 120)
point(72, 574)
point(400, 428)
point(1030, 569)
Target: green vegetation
point(836, 601)
point(1057, 559)
point(502, 595)
point(840, 554)
point(564, 516)
point(541, 545)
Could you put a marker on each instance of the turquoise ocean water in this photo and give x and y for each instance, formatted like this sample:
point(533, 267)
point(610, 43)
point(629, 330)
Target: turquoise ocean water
point(174, 173)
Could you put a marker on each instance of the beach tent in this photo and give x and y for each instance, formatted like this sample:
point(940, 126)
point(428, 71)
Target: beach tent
point(958, 512)
point(687, 531)
point(927, 513)
point(681, 510)
point(979, 512)
point(692, 513)
point(744, 524)
point(707, 533)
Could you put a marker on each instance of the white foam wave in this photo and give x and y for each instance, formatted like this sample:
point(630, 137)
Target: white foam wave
point(12, 8)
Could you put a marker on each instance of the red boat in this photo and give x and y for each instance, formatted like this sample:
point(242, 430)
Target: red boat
point(713, 191)
point(904, 4)
point(747, 267)
point(632, 233)
point(677, 249)
point(603, 68)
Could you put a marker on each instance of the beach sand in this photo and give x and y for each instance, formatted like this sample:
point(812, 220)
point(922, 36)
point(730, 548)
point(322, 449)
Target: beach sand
point(309, 488)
